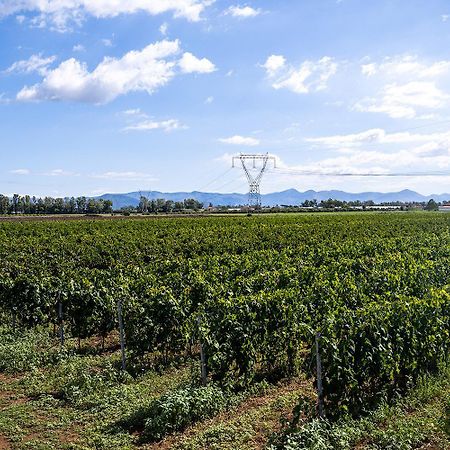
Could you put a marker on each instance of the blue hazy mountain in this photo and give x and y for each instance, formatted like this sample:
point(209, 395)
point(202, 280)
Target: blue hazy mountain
point(288, 197)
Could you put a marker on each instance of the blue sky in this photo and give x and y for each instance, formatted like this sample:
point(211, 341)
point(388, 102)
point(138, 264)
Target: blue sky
point(111, 96)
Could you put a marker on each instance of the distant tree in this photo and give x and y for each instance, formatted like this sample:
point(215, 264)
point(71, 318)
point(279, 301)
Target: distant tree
point(179, 206)
point(332, 203)
point(40, 206)
point(58, 206)
point(93, 206)
point(107, 207)
point(168, 206)
point(81, 205)
point(143, 204)
point(191, 203)
point(71, 205)
point(15, 203)
point(310, 203)
point(431, 206)
point(4, 204)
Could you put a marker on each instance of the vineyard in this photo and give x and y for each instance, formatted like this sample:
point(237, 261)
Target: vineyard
point(216, 313)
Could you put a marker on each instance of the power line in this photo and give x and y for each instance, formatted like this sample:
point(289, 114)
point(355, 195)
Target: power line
point(230, 182)
point(215, 179)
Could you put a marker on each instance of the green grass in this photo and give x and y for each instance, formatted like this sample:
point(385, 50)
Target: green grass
point(419, 420)
point(83, 401)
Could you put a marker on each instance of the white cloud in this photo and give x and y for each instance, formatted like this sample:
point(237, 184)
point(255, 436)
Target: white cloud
point(78, 48)
point(60, 173)
point(132, 112)
point(191, 64)
point(445, 17)
point(369, 69)
point(240, 140)
point(273, 64)
point(403, 100)
point(107, 42)
point(163, 29)
point(410, 86)
point(60, 14)
point(124, 176)
point(311, 76)
point(146, 70)
point(3, 99)
point(380, 136)
point(362, 162)
point(406, 65)
point(401, 152)
point(36, 63)
point(209, 100)
point(242, 12)
point(20, 172)
point(20, 19)
point(151, 125)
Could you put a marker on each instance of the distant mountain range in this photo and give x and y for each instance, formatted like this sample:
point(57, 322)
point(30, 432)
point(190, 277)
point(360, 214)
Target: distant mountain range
point(288, 197)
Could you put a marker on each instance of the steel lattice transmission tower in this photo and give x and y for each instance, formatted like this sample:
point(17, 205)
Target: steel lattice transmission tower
point(254, 176)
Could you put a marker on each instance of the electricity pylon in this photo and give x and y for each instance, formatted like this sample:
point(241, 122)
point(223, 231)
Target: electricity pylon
point(254, 180)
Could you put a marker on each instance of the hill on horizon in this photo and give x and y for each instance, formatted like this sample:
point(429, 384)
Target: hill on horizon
point(287, 197)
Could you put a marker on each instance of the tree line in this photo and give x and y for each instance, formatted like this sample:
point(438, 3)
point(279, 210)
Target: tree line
point(167, 206)
point(431, 205)
point(27, 204)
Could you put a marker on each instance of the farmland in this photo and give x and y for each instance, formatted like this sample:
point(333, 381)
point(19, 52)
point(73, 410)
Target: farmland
point(250, 297)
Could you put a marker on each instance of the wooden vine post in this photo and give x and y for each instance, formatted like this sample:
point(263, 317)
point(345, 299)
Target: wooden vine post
point(319, 379)
point(202, 355)
point(61, 321)
point(121, 333)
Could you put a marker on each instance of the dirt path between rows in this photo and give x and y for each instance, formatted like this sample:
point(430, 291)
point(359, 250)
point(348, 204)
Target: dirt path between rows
point(4, 443)
point(248, 405)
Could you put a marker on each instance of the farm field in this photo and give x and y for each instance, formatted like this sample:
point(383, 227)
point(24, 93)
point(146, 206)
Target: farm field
point(248, 296)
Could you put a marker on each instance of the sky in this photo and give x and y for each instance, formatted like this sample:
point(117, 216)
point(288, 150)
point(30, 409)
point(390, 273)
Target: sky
point(102, 96)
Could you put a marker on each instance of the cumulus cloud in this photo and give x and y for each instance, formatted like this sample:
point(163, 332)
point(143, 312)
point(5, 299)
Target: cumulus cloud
point(403, 100)
point(273, 64)
point(145, 70)
point(240, 140)
point(310, 76)
point(61, 14)
point(410, 86)
point(35, 63)
point(191, 64)
point(242, 12)
point(369, 69)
